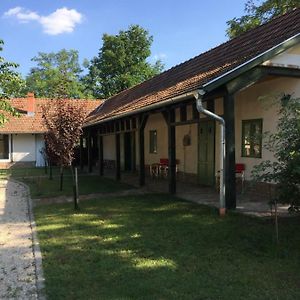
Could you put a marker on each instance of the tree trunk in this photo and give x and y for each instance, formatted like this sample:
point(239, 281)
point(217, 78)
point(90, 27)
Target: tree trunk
point(45, 166)
point(276, 223)
point(50, 170)
point(75, 187)
point(61, 178)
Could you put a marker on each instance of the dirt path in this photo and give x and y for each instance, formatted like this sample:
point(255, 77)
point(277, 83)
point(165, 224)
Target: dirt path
point(18, 273)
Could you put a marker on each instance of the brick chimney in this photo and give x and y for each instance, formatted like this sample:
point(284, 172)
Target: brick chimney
point(30, 104)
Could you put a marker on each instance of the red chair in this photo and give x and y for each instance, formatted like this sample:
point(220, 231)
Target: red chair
point(164, 166)
point(240, 169)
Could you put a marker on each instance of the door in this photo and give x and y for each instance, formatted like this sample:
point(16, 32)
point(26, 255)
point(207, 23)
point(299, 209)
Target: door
point(206, 162)
point(129, 151)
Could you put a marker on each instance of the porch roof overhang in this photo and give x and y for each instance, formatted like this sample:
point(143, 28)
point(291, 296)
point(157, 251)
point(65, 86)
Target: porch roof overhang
point(230, 82)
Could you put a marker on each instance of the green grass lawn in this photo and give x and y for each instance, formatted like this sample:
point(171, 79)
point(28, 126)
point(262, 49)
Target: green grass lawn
point(42, 187)
point(28, 172)
point(158, 247)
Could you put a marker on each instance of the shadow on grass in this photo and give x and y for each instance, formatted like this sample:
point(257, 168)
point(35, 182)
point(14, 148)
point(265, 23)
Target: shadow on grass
point(157, 247)
point(42, 187)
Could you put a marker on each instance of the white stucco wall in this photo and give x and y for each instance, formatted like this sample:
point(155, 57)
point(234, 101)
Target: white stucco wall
point(289, 58)
point(156, 122)
point(187, 155)
point(259, 101)
point(23, 148)
point(109, 149)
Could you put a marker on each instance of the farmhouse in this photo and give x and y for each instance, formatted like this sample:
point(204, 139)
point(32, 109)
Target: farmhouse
point(21, 138)
point(156, 127)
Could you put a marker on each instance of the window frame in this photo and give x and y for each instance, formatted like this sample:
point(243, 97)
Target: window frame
point(252, 153)
point(153, 145)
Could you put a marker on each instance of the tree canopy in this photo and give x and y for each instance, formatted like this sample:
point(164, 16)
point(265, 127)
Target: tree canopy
point(257, 14)
point(11, 85)
point(121, 62)
point(52, 69)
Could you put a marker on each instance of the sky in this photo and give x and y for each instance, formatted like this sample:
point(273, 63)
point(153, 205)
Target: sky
point(181, 29)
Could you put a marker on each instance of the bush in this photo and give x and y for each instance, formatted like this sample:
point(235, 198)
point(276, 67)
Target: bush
point(285, 145)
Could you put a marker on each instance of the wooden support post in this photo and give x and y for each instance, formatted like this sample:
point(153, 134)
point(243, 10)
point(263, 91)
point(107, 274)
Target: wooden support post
point(133, 152)
point(81, 154)
point(230, 192)
point(172, 152)
point(100, 153)
point(142, 123)
point(89, 152)
point(118, 157)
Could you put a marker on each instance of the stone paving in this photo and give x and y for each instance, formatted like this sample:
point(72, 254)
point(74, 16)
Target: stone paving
point(17, 259)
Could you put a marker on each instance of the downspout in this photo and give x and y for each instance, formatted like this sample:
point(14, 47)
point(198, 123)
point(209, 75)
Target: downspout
point(199, 96)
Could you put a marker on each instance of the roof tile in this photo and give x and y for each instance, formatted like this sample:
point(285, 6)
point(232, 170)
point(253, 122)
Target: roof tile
point(201, 69)
point(34, 124)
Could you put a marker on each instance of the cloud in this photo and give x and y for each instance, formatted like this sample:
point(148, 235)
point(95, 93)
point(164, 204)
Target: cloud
point(159, 56)
point(23, 15)
point(63, 20)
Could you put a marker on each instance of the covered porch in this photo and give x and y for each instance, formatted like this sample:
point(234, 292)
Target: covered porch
point(126, 141)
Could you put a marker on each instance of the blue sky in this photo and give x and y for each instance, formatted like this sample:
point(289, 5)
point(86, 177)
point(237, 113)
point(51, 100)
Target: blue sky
point(181, 29)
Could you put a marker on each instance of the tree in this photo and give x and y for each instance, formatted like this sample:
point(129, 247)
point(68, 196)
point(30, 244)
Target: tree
point(11, 85)
point(64, 126)
point(257, 14)
point(121, 62)
point(285, 145)
point(53, 68)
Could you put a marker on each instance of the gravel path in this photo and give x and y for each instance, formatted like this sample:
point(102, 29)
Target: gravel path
point(17, 259)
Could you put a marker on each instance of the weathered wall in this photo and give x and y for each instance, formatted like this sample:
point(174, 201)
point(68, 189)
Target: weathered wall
point(109, 149)
point(23, 148)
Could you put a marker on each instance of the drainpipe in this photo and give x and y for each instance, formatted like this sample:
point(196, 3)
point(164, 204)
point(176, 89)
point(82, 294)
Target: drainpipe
point(199, 96)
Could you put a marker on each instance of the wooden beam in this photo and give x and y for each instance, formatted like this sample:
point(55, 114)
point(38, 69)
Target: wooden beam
point(81, 154)
point(89, 152)
point(142, 120)
point(281, 71)
point(188, 122)
point(172, 152)
point(245, 80)
point(230, 192)
point(195, 112)
point(211, 105)
point(118, 157)
point(166, 116)
point(100, 154)
point(183, 113)
point(133, 151)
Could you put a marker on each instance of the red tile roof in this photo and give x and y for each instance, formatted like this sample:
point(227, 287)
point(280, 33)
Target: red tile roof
point(34, 124)
point(201, 69)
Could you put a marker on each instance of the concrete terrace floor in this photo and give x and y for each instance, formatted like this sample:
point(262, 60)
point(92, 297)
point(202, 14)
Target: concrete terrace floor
point(201, 195)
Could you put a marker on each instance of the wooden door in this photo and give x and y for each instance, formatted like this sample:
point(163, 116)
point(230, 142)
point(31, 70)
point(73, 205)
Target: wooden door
point(206, 159)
